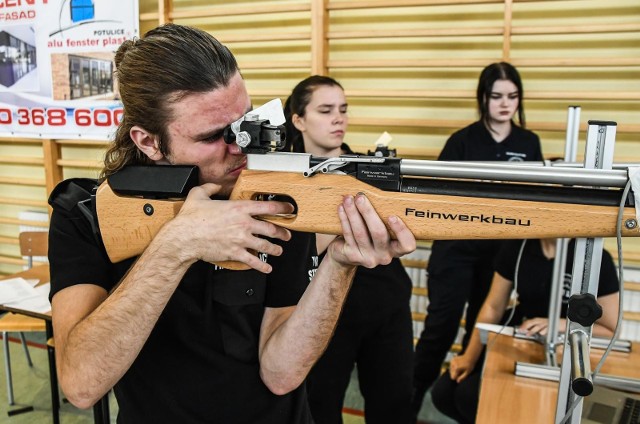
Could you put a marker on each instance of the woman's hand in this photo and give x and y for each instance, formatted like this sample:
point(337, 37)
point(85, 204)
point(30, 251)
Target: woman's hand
point(460, 367)
point(535, 326)
point(540, 326)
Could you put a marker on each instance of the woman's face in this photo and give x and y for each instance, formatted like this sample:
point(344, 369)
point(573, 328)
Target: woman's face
point(325, 121)
point(503, 101)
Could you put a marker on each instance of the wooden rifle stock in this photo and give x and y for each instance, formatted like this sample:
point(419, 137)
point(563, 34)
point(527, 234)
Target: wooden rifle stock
point(430, 217)
point(129, 223)
point(127, 230)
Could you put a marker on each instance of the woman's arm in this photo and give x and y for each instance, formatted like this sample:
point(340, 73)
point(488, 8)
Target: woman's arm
point(491, 312)
point(604, 327)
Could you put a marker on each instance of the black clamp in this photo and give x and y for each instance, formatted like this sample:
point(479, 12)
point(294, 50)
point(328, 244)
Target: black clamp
point(584, 309)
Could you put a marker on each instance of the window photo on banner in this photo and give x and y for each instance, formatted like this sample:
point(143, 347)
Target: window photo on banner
point(56, 66)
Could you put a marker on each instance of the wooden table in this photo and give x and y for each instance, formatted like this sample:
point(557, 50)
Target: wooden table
point(41, 273)
point(505, 397)
point(38, 272)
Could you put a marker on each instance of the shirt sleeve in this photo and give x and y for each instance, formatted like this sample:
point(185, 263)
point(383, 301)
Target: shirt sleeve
point(609, 282)
point(505, 261)
point(453, 149)
point(538, 155)
point(75, 256)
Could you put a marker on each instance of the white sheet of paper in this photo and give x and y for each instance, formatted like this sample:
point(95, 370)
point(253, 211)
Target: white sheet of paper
point(18, 293)
point(15, 289)
point(32, 281)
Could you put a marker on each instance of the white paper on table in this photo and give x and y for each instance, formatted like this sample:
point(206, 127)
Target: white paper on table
point(14, 289)
point(32, 281)
point(38, 304)
point(43, 290)
point(20, 295)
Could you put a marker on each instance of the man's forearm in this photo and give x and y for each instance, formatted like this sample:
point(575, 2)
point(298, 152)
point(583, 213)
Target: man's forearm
point(294, 347)
point(100, 348)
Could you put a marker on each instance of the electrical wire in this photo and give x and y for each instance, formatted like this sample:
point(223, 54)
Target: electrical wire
point(514, 290)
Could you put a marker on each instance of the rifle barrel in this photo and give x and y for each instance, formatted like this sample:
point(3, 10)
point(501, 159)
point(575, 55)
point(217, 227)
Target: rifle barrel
point(505, 171)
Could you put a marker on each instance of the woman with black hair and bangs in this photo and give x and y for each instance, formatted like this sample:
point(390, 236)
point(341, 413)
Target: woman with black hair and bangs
point(460, 271)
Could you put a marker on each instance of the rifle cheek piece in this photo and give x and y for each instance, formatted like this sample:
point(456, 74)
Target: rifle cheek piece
point(155, 182)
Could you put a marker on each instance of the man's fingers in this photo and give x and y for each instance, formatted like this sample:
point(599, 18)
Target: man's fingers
point(270, 207)
point(210, 189)
point(359, 228)
point(404, 242)
point(254, 262)
point(268, 229)
point(347, 233)
point(377, 231)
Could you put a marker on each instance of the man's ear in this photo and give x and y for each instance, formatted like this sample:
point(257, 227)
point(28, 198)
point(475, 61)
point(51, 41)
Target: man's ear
point(298, 122)
point(147, 143)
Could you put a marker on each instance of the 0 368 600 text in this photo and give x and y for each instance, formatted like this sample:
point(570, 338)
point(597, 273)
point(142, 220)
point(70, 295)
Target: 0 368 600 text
point(57, 117)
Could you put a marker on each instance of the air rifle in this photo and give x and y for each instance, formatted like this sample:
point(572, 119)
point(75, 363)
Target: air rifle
point(437, 200)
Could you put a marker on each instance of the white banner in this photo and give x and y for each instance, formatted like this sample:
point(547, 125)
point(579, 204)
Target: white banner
point(56, 66)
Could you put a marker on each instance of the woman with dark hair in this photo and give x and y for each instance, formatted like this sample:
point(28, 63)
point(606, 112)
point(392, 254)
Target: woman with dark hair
point(460, 271)
point(374, 331)
point(493, 73)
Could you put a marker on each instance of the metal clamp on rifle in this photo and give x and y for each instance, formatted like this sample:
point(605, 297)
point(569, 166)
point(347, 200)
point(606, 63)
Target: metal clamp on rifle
point(259, 131)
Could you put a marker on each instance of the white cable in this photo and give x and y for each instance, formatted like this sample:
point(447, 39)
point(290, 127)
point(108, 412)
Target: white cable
point(515, 290)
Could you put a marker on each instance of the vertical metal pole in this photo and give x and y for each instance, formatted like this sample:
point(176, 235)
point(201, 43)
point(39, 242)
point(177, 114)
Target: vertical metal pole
point(53, 375)
point(559, 263)
point(585, 278)
point(573, 131)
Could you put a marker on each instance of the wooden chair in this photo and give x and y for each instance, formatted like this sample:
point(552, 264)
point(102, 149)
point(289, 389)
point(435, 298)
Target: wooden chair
point(32, 243)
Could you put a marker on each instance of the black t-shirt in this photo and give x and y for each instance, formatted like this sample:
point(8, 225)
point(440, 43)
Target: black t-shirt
point(469, 262)
point(200, 362)
point(474, 142)
point(535, 274)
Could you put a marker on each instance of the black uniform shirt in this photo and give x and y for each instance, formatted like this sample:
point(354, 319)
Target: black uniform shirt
point(200, 362)
point(474, 142)
point(535, 275)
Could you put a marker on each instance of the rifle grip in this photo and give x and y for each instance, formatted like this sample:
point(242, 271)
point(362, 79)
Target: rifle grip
point(128, 224)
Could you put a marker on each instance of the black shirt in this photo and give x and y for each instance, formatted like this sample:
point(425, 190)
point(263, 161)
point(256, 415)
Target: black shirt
point(535, 275)
point(200, 362)
point(474, 142)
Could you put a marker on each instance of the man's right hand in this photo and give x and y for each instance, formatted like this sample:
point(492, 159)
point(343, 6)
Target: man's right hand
point(225, 230)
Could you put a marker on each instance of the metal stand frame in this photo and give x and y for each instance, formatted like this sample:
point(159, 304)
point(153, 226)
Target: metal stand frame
point(555, 301)
point(574, 375)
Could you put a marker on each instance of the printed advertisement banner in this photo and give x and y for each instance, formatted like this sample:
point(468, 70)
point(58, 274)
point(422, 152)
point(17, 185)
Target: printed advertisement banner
point(56, 66)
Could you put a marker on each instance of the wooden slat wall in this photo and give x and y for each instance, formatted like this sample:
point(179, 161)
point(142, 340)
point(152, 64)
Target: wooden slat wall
point(409, 67)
